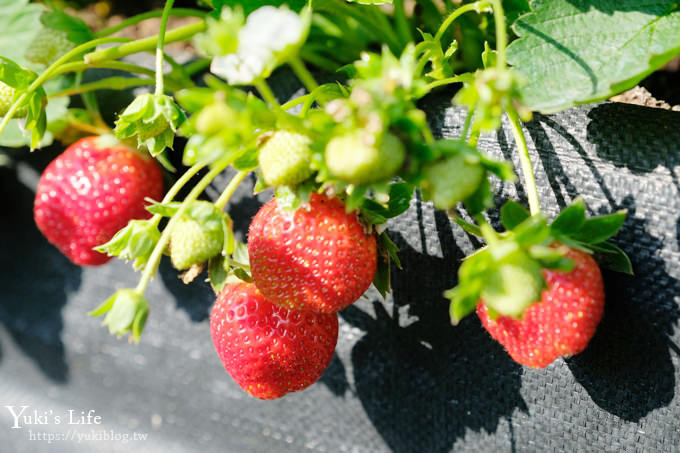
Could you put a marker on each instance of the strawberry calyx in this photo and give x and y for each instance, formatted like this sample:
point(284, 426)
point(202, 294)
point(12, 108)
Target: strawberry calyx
point(507, 273)
point(134, 242)
point(126, 312)
point(153, 120)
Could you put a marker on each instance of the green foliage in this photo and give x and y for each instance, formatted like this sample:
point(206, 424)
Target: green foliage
point(574, 52)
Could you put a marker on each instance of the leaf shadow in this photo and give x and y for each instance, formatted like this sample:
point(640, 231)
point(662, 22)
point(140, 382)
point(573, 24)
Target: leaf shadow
point(627, 368)
point(422, 382)
point(35, 277)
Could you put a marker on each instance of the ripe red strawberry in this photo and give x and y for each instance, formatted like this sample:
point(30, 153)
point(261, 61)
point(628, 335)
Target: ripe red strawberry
point(90, 192)
point(317, 257)
point(268, 349)
point(562, 323)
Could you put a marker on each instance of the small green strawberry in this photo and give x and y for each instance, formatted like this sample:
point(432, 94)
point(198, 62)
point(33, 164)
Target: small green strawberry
point(451, 180)
point(48, 45)
point(197, 236)
point(361, 158)
point(6, 98)
point(284, 159)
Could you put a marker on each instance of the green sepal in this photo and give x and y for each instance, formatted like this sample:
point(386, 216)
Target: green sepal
point(571, 219)
point(14, 75)
point(153, 120)
point(291, 198)
point(135, 242)
point(612, 257)
point(126, 311)
point(599, 229)
point(163, 209)
point(512, 214)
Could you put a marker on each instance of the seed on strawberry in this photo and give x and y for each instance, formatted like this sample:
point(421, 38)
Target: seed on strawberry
point(284, 158)
point(6, 98)
point(90, 192)
point(267, 349)
point(451, 180)
point(197, 235)
point(47, 46)
point(562, 323)
point(317, 257)
point(356, 158)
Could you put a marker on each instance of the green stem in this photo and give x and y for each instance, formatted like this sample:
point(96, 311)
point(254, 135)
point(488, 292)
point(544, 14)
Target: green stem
point(303, 74)
point(501, 33)
point(176, 187)
point(319, 60)
point(466, 126)
point(230, 189)
point(119, 65)
point(49, 73)
point(477, 6)
point(110, 83)
point(160, 89)
point(403, 27)
point(145, 44)
point(525, 161)
point(447, 81)
point(176, 12)
point(197, 66)
point(154, 259)
point(267, 93)
point(297, 101)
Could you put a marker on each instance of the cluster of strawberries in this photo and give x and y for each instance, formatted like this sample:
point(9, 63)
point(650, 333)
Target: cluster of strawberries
point(277, 333)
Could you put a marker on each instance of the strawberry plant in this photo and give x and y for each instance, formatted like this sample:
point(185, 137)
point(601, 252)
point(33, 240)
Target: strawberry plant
point(342, 159)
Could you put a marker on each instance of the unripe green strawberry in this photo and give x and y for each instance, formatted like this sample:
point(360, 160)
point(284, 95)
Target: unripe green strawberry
point(212, 118)
point(284, 159)
point(197, 236)
point(354, 159)
point(6, 96)
point(47, 46)
point(451, 180)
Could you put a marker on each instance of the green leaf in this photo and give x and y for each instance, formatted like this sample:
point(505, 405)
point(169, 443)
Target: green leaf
point(251, 5)
point(612, 257)
point(390, 248)
point(400, 198)
point(381, 278)
point(512, 214)
point(577, 51)
point(599, 229)
point(77, 30)
point(571, 219)
point(533, 230)
point(19, 22)
point(515, 8)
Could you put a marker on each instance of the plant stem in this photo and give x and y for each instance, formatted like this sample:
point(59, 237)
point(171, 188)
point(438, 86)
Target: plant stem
point(176, 187)
point(42, 78)
point(447, 81)
point(501, 33)
point(477, 6)
point(177, 12)
point(297, 101)
point(119, 65)
point(267, 93)
point(303, 74)
point(403, 27)
point(466, 125)
point(525, 161)
point(110, 83)
point(230, 189)
point(154, 259)
point(145, 44)
point(160, 89)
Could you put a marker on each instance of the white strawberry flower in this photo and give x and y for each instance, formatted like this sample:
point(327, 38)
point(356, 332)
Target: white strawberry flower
point(269, 38)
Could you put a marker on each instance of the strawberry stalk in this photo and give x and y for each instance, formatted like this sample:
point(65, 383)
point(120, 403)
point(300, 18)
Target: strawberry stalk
point(525, 161)
point(176, 12)
point(303, 74)
point(267, 94)
point(501, 33)
point(228, 191)
point(160, 88)
point(476, 7)
point(145, 44)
